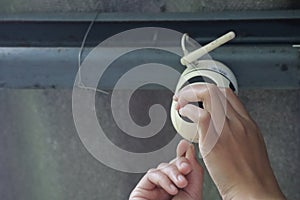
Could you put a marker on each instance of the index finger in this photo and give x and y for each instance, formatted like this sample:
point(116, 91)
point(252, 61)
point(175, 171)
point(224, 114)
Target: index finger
point(206, 93)
point(182, 148)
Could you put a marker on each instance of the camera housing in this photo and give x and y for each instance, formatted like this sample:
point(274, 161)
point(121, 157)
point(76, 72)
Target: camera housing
point(200, 72)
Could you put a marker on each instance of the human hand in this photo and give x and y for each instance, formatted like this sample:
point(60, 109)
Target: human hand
point(181, 179)
point(235, 154)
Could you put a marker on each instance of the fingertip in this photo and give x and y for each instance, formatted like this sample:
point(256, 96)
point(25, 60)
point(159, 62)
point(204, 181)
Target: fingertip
point(182, 148)
point(173, 189)
point(189, 112)
point(190, 153)
point(192, 157)
point(186, 110)
point(175, 97)
point(182, 181)
point(177, 106)
point(185, 168)
point(184, 165)
point(182, 141)
point(182, 111)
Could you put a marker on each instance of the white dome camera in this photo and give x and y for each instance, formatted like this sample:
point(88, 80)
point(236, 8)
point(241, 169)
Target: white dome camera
point(201, 71)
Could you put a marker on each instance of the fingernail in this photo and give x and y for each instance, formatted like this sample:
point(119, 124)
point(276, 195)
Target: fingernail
point(192, 147)
point(184, 165)
point(180, 178)
point(181, 111)
point(175, 98)
point(172, 187)
point(177, 106)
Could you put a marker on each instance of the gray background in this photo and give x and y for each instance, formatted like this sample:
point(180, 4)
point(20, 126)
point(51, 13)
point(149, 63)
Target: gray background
point(19, 6)
point(41, 156)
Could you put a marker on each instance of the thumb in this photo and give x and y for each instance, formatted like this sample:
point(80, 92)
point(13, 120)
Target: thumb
point(182, 148)
point(191, 154)
point(192, 157)
point(197, 115)
point(195, 177)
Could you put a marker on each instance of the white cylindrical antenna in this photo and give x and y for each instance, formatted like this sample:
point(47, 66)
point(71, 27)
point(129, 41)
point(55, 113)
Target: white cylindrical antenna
point(193, 56)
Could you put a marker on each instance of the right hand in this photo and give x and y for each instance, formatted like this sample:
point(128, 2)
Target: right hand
point(238, 162)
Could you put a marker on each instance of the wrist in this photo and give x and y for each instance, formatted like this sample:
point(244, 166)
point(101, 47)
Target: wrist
point(264, 196)
point(268, 189)
point(255, 193)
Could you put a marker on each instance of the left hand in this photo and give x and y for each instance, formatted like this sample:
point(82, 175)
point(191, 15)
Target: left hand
point(180, 179)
